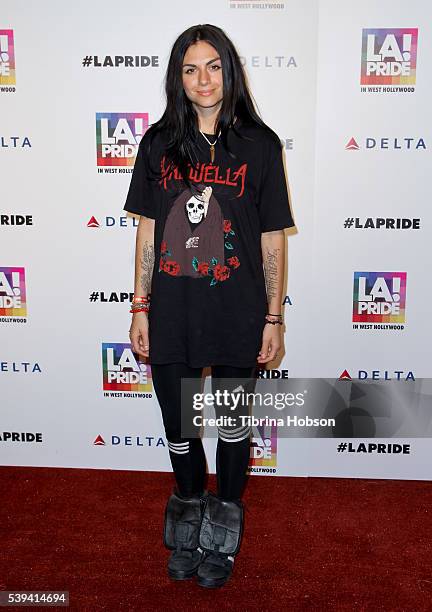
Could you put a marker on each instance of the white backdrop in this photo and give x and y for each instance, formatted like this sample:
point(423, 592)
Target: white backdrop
point(307, 63)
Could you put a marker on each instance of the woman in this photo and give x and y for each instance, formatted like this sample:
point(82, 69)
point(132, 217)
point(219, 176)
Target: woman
point(210, 189)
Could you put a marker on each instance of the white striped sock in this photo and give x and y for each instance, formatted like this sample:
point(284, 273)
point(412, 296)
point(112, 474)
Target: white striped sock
point(179, 448)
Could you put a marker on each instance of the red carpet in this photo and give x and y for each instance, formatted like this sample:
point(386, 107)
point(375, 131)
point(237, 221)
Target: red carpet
point(309, 544)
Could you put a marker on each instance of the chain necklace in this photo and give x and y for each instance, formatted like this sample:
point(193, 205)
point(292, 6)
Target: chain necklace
point(212, 146)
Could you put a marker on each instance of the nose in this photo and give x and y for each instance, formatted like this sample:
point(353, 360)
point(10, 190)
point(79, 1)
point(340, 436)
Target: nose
point(203, 75)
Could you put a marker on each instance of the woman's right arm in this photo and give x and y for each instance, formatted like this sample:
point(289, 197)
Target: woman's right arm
point(144, 263)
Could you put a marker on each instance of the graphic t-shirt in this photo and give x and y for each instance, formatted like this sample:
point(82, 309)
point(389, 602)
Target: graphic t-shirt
point(208, 295)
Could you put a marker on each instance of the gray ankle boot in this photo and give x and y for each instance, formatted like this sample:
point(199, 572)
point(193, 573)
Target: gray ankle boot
point(220, 538)
point(181, 535)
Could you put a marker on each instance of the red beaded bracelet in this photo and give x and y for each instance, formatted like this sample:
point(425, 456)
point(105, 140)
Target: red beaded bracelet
point(139, 299)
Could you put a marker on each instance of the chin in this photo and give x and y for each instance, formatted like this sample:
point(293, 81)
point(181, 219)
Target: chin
point(208, 103)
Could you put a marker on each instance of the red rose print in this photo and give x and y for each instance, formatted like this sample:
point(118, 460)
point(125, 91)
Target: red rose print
point(233, 262)
point(163, 246)
point(221, 273)
point(161, 264)
point(203, 267)
point(171, 267)
point(227, 225)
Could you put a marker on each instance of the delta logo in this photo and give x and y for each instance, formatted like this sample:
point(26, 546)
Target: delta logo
point(379, 375)
point(389, 56)
point(13, 301)
point(379, 297)
point(118, 136)
point(120, 221)
point(117, 440)
point(7, 60)
point(263, 449)
point(93, 222)
point(124, 372)
point(385, 143)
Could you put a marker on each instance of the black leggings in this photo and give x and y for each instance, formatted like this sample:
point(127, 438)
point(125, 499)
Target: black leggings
point(187, 454)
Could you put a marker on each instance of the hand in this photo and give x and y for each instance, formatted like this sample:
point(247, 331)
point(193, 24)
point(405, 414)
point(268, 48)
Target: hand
point(206, 194)
point(139, 335)
point(271, 343)
point(205, 197)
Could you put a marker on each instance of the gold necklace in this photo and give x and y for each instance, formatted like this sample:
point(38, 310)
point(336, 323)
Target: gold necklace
point(212, 146)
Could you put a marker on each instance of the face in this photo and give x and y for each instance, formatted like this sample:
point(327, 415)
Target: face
point(202, 75)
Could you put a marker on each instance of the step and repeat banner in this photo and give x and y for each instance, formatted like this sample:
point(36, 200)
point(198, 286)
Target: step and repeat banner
point(346, 86)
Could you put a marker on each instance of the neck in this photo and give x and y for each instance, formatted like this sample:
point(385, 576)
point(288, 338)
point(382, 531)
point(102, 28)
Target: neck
point(207, 117)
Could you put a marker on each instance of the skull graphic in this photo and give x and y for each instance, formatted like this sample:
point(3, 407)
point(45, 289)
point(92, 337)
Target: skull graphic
point(195, 209)
point(197, 205)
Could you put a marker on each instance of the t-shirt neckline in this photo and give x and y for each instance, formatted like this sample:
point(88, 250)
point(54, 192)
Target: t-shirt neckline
point(237, 123)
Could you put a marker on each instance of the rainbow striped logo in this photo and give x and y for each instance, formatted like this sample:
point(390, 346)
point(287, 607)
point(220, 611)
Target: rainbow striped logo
point(389, 56)
point(118, 136)
point(379, 297)
point(122, 369)
point(7, 58)
point(263, 449)
point(13, 302)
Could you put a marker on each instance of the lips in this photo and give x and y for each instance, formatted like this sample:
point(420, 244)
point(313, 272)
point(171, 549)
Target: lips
point(205, 93)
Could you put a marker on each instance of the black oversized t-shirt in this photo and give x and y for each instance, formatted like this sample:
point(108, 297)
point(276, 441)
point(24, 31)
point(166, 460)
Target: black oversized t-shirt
point(208, 296)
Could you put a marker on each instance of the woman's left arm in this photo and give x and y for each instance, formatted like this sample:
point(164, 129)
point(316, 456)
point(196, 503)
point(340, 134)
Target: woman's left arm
point(273, 255)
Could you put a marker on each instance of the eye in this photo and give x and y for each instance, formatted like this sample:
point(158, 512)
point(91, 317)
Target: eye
point(216, 67)
point(188, 70)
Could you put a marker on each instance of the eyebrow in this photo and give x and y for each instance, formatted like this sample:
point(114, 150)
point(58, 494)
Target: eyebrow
point(209, 62)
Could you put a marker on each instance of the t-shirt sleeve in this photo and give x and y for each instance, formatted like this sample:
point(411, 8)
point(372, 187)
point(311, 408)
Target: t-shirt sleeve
point(140, 197)
point(274, 206)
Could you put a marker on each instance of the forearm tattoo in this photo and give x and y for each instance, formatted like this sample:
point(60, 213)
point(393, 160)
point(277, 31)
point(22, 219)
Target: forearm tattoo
point(271, 272)
point(147, 263)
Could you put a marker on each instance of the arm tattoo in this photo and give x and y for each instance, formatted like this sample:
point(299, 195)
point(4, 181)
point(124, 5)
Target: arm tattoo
point(271, 272)
point(147, 262)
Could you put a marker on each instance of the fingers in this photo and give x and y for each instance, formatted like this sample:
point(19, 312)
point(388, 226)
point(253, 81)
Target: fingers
point(207, 193)
point(272, 355)
point(139, 342)
point(143, 343)
point(269, 351)
point(133, 337)
point(264, 350)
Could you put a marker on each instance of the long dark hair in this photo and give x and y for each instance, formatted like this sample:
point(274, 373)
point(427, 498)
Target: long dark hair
point(180, 121)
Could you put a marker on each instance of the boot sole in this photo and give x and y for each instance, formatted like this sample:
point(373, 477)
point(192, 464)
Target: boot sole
point(211, 584)
point(182, 575)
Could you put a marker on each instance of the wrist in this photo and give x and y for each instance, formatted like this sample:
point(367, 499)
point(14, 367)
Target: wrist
point(273, 318)
point(140, 303)
point(139, 298)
